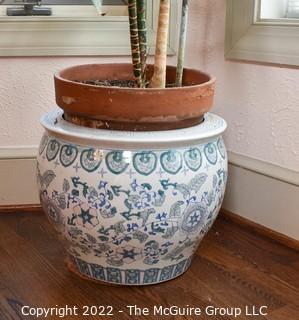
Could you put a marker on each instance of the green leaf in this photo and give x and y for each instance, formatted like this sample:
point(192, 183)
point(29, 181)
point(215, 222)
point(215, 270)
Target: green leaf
point(66, 186)
point(165, 184)
point(139, 235)
point(146, 186)
point(47, 178)
point(110, 195)
point(161, 199)
point(103, 238)
point(197, 182)
point(91, 238)
point(175, 209)
point(85, 190)
point(183, 189)
point(170, 232)
point(93, 192)
point(128, 204)
point(61, 201)
point(75, 181)
point(134, 198)
point(116, 190)
point(144, 215)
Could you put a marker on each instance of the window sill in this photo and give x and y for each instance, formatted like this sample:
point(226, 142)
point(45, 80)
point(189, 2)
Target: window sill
point(68, 13)
point(78, 36)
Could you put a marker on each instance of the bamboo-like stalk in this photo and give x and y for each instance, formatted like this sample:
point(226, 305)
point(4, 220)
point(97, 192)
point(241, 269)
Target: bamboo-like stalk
point(135, 49)
point(159, 78)
point(142, 30)
point(182, 43)
point(97, 4)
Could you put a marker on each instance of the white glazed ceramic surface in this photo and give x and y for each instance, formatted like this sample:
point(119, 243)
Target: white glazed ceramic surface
point(131, 207)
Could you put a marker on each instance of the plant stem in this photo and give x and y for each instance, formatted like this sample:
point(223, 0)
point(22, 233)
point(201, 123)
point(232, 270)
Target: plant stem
point(159, 78)
point(135, 49)
point(97, 4)
point(182, 44)
point(141, 21)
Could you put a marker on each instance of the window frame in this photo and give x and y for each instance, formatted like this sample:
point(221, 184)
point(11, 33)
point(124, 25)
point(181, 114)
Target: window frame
point(73, 36)
point(251, 39)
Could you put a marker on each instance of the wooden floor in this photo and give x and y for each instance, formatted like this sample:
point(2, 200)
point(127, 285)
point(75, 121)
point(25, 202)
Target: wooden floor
point(234, 267)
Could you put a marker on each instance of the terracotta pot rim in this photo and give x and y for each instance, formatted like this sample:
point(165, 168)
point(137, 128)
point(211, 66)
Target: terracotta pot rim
point(169, 106)
point(58, 75)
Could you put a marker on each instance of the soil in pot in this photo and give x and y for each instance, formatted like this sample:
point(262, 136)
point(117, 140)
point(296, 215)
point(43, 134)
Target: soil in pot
point(110, 83)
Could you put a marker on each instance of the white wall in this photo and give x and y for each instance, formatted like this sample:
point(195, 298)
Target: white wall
point(259, 102)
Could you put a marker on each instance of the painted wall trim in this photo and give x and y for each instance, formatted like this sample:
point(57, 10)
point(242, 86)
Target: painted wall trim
point(265, 168)
point(27, 152)
point(251, 40)
point(267, 201)
point(262, 167)
point(18, 182)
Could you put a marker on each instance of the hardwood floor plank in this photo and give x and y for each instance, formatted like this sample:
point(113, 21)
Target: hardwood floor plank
point(9, 305)
point(287, 292)
point(288, 312)
point(261, 253)
point(260, 229)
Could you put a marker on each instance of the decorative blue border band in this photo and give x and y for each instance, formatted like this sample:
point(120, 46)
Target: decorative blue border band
point(131, 276)
point(144, 162)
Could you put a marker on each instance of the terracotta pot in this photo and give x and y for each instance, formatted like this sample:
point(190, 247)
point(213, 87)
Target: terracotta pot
point(132, 108)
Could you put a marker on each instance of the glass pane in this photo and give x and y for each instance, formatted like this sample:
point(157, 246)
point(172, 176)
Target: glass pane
point(279, 9)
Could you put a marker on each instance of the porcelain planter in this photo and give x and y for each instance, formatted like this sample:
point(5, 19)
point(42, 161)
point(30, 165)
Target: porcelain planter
point(131, 207)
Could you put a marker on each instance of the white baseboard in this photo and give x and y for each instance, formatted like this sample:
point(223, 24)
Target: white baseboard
point(263, 200)
point(261, 192)
point(18, 182)
point(265, 168)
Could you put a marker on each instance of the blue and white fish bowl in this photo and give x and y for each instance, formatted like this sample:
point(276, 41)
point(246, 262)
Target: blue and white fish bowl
point(131, 207)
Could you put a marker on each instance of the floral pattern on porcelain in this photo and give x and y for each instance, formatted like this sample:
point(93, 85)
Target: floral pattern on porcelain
point(131, 217)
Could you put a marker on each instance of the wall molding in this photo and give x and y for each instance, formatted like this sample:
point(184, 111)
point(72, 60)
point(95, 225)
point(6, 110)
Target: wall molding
point(268, 201)
point(27, 152)
point(251, 40)
point(267, 169)
point(261, 192)
point(18, 182)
